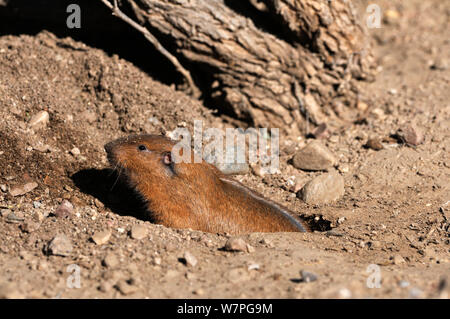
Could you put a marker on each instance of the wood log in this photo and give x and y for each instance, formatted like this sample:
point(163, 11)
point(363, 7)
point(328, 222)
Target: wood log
point(264, 79)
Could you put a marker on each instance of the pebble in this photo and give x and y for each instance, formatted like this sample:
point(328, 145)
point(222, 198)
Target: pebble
point(410, 135)
point(236, 244)
point(440, 64)
point(307, 276)
point(60, 245)
point(15, 217)
point(23, 189)
point(10, 291)
point(101, 237)
point(398, 260)
point(3, 188)
point(75, 151)
point(321, 132)
point(253, 267)
point(138, 232)
point(314, 157)
point(110, 261)
point(64, 210)
point(403, 284)
point(375, 144)
point(189, 259)
point(37, 204)
point(39, 120)
point(38, 216)
point(323, 189)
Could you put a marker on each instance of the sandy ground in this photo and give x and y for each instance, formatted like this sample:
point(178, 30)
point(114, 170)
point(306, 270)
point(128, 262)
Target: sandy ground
point(390, 231)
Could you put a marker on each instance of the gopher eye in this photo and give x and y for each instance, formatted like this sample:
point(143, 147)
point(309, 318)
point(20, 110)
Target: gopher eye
point(142, 148)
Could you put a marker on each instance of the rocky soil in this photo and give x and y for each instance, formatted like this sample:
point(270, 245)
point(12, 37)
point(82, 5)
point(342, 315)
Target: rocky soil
point(379, 201)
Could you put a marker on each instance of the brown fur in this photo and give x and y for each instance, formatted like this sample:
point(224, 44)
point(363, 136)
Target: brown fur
point(195, 195)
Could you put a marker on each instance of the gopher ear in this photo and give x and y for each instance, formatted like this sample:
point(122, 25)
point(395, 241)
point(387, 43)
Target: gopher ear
point(167, 158)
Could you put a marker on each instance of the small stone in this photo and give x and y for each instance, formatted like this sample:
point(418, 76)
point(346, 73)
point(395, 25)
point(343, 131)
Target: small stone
point(253, 267)
point(101, 237)
point(375, 144)
point(110, 261)
point(15, 217)
point(321, 132)
point(307, 276)
point(398, 260)
point(138, 232)
point(64, 210)
point(125, 288)
point(23, 189)
point(341, 220)
point(3, 188)
point(410, 135)
point(440, 64)
point(39, 120)
point(10, 291)
point(235, 244)
point(75, 151)
point(37, 204)
point(38, 217)
point(343, 168)
point(314, 157)
point(157, 261)
point(403, 284)
point(323, 189)
point(60, 245)
point(189, 259)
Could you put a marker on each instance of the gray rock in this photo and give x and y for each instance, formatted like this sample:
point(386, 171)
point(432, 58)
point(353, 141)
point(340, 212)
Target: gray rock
point(60, 245)
point(314, 157)
point(323, 189)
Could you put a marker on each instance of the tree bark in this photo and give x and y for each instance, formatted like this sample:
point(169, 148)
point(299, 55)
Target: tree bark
point(306, 76)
